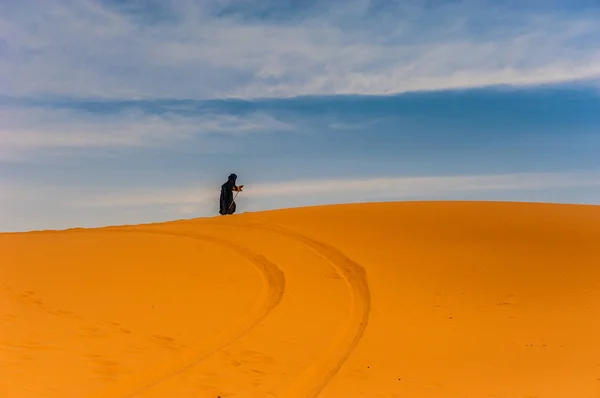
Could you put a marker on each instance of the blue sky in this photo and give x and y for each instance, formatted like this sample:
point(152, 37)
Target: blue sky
point(115, 112)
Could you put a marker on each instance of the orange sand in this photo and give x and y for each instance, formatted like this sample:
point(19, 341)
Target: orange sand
point(438, 299)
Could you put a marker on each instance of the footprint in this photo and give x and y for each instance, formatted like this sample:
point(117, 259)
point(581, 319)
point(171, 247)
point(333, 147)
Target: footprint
point(113, 327)
point(104, 368)
point(166, 342)
point(93, 332)
point(111, 323)
point(64, 314)
point(162, 339)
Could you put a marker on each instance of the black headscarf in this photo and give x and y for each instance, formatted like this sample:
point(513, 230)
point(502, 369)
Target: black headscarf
point(230, 181)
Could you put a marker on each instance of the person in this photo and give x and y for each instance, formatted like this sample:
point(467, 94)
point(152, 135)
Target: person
point(227, 204)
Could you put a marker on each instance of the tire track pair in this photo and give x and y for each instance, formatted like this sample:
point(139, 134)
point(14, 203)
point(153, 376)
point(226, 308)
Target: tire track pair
point(275, 283)
point(312, 381)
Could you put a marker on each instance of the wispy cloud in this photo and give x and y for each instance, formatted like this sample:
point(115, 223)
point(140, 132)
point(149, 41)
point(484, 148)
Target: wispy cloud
point(28, 207)
point(28, 130)
point(216, 49)
point(377, 188)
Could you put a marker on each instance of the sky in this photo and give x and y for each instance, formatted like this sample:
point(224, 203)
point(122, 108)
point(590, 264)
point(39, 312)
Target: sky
point(127, 111)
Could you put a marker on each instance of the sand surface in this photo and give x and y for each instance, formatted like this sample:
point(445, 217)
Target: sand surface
point(438, 299)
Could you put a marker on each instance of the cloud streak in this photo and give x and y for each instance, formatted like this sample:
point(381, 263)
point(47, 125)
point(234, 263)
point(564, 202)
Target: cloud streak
point(378, 188)
point(31, 130)
point(211, 49)
point(27, 207)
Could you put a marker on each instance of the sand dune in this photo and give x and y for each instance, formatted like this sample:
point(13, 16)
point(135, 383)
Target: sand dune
point(433, 299)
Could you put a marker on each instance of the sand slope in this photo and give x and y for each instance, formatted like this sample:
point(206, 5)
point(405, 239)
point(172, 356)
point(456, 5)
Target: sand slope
point(438, 299)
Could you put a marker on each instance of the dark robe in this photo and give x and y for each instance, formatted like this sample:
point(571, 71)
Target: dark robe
point(226, 203)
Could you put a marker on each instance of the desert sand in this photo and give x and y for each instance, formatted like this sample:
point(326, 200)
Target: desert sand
point(416, 299)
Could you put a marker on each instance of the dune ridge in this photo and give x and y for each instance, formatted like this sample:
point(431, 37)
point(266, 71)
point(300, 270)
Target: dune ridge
point(420, 299)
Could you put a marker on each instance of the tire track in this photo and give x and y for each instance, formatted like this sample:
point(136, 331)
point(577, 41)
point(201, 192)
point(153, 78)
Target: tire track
point(312, 381)
point(275, 282)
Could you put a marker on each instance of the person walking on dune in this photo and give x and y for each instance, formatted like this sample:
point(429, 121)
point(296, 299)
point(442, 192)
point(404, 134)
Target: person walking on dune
point(227, 204)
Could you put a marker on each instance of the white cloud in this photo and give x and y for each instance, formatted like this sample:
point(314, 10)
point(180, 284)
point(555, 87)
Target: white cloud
point(27, 207)
point(400, 187)
point(86, 49)
point(26, 130)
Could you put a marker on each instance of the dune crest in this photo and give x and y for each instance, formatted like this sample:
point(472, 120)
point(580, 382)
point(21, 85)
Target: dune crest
point(417, 299)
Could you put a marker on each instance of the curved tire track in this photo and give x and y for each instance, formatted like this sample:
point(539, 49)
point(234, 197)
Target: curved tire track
point(312, 381)
point(275, 281)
